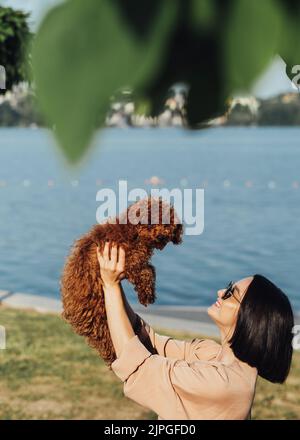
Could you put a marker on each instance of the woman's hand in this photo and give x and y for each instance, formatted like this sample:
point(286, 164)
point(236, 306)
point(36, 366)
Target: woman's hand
point(112, 271)
point(111, 268)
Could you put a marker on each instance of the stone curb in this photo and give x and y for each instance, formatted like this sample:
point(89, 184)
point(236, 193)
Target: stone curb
point(158, 316)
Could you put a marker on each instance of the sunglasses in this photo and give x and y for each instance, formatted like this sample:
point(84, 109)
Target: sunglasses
point(229, 291)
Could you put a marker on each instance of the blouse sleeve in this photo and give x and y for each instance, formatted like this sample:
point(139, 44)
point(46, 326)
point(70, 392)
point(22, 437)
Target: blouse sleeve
point(162, 384)
point(193, 350)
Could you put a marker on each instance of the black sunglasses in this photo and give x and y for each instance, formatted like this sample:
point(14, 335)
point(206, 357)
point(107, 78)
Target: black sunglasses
point(229, 291)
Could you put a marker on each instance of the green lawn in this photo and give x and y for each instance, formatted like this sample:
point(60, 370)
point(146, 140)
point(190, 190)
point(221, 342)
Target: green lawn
point(48, 372)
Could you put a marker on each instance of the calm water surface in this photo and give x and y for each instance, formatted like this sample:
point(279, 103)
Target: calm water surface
point(252, 205)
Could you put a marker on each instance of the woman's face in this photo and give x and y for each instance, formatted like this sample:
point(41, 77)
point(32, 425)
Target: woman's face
point(224, 311)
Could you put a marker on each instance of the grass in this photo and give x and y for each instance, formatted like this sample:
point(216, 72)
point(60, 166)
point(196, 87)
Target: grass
point(48, 372)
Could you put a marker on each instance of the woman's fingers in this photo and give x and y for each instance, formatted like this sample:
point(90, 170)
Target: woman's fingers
point(121, 260)
point(114, 256)
point(112, 267)
point(116, 259)
point(110, 253)
point(106, 251)
point(100, 258)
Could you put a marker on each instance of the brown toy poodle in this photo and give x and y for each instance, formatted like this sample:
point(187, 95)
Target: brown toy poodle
point(146, 225)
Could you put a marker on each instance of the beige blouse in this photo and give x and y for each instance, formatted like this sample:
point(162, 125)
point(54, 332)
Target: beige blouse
point(181, 380)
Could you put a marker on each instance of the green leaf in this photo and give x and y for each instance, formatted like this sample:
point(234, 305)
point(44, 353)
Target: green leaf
point(251, 40)
point(83, 52)
point(290, 35)
point(203, 13)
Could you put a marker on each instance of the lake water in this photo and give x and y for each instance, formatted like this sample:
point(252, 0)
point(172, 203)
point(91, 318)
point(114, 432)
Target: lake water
point(251, 181)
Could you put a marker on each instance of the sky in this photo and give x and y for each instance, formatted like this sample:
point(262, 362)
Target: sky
point(272, 82)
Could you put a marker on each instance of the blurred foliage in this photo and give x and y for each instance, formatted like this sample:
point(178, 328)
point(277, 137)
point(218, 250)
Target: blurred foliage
point(253, 34)
point(84, 51)
point(203, 13)
point(143, 107)
point(14, 37)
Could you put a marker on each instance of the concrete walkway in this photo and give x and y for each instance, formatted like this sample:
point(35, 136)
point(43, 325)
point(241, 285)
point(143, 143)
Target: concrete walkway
point(190, 319)
point(181, 318)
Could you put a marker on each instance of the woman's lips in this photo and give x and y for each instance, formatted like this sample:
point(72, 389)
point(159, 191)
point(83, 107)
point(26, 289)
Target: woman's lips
point(217, 303)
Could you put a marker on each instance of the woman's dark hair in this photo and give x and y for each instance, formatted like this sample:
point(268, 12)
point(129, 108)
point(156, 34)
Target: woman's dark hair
point(263, 333)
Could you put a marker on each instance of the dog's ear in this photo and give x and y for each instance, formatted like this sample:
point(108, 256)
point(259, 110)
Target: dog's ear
point(81, 275)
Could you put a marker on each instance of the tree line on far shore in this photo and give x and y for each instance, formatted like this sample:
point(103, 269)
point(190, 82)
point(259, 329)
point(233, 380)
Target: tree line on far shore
point(283, 109)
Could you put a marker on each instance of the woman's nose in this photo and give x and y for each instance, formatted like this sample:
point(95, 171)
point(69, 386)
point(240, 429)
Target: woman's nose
point(221, 293)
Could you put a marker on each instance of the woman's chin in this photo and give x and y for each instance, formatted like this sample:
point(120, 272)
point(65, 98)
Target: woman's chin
point(212, 312)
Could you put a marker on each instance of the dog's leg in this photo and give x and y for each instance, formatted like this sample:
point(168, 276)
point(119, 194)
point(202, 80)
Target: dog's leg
point(144, 284)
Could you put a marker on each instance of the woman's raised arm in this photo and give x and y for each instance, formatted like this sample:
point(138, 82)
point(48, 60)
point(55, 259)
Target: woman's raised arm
point(168, 346)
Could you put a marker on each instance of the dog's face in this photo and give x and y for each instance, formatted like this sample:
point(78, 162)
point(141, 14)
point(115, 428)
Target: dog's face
point(156, 222)
point(160, 235)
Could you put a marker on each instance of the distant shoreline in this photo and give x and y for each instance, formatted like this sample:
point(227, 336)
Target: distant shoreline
point(18, 109)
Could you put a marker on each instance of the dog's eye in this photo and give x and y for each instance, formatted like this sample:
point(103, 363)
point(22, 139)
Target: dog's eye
point(160, 237)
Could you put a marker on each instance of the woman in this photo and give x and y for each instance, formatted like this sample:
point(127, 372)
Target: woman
point(200, 379)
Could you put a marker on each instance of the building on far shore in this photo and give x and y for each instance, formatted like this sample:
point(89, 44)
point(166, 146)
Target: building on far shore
point(122, 113)
point(246, 110)
point(242, 110)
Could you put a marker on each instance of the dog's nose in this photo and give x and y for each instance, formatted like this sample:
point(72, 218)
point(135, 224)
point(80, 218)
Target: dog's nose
point(176, 239)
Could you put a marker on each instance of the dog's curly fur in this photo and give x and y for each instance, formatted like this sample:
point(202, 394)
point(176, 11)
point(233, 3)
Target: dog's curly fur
point(81, 286)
